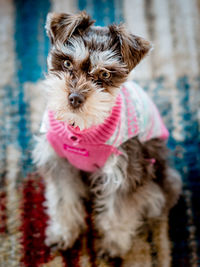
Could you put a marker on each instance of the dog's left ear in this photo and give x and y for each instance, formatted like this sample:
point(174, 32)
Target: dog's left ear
point(133, 48)
point(61, 26)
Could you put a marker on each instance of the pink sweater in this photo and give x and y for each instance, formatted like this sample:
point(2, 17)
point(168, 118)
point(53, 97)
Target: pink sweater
point(134, 114)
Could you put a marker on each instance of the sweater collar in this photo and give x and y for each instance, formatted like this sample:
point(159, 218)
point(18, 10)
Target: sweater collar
point(95, 135)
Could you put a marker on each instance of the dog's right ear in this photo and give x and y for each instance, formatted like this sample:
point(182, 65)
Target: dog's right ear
point(133, 48)
point(61, 26)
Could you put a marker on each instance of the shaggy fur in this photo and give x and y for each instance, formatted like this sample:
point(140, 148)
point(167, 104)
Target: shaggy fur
point(93, 62)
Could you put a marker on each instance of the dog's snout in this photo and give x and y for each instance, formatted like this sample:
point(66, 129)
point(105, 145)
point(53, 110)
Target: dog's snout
point(76, 100)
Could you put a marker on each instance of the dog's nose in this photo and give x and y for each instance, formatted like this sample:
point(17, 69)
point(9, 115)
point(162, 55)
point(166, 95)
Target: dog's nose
point(76, 100)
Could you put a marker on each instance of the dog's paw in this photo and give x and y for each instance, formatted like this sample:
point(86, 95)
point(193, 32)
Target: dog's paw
point(61, 238)
point(108, 253)
point(107, 249)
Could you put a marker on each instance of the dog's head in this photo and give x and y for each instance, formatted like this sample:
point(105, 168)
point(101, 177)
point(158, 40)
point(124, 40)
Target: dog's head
point(87, 65)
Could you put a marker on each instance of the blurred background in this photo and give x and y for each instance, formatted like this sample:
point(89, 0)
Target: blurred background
point(170, 74)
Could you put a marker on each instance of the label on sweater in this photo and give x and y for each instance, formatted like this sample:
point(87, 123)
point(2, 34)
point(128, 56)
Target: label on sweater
point(76, 150)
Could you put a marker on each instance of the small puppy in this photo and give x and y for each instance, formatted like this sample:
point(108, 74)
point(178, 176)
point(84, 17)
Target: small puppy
point(102, 138)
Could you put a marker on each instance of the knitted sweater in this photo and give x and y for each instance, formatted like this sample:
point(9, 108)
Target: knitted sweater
point(134, 114)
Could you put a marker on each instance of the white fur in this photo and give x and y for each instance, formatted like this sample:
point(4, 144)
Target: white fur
point(75, 48)
point(49, 60)
point(105, 58)
point(112, 177)
point(63, 191)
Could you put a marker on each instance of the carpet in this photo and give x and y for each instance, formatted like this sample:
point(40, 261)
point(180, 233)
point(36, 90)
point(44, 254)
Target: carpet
point(170, 74)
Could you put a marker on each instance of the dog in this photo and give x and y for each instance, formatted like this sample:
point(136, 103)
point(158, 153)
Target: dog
point(102, 138)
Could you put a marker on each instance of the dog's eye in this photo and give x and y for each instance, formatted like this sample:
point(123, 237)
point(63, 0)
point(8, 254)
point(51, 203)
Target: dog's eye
point(104, 74)
point(67, 64)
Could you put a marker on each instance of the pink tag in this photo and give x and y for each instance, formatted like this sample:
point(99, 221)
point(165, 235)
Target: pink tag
point(76, 150)
point(151, 161)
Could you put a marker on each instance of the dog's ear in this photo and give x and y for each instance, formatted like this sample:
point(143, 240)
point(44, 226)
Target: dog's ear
point(133, 48)
point(61, 26)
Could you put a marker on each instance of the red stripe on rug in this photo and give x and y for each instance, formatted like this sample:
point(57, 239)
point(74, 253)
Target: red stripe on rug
point(2, 212)
point(34, 222)
point(91, 234)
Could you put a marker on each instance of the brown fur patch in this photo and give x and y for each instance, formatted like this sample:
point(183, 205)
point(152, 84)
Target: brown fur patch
point(140, 170)
point(61, 26)
point(133, 48)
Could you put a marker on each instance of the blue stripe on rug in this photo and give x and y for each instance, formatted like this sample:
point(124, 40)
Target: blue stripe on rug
point(29, 37)
point(103, 11)
point(186, 154)
point(30, 22)
point(3, 136)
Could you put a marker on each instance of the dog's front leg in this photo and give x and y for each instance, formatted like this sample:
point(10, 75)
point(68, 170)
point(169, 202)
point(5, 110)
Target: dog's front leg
point(115, 219)
point(64, 193)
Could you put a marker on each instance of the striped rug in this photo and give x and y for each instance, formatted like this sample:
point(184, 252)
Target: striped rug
point(171, 75)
